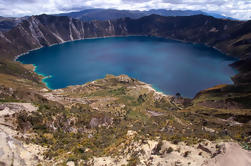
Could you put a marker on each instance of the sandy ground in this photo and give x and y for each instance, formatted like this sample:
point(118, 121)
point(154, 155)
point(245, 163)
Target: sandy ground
point(227, 154)
point(13, 151)
point(157, 94)
point(233, 155)
point(11, 108)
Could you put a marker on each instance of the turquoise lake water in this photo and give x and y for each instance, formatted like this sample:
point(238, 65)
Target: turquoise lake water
point(170, 66)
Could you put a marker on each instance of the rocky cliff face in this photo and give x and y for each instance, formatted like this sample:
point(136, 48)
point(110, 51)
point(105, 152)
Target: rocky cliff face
point(44, 30)
point(230, 37)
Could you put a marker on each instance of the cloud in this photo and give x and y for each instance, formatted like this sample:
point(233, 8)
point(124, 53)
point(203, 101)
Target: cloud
point(240, 9)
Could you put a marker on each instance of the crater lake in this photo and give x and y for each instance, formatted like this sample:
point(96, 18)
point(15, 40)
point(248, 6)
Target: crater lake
point(169, 66)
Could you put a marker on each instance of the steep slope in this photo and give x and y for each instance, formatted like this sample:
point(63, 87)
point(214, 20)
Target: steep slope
point(230, 37)
point(43, 30)
point(46, 30)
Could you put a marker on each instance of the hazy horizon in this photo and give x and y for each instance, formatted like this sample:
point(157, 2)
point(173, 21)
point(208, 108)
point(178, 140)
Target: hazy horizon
point(239, 9)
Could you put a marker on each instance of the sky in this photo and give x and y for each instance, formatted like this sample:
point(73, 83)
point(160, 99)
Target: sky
point(240, 9)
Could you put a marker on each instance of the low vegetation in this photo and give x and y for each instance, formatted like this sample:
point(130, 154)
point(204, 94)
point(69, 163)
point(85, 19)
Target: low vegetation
point(110, 107)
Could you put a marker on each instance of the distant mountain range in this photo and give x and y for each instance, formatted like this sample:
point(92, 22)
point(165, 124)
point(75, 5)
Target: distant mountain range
point(7, 23)
point(112, 14)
